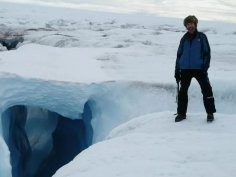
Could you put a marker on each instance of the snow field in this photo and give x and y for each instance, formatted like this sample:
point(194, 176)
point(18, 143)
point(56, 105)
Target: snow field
point(125, 65)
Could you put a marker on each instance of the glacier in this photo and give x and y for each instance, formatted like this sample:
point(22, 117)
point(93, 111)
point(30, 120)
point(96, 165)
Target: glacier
point(111, 77)
point(49, 101)
point(101, 107)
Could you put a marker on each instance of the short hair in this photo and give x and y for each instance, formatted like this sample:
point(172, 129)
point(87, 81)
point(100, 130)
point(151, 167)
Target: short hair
point(190, 19)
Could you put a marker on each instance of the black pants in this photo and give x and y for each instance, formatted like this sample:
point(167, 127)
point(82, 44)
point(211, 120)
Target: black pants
point(203, 80)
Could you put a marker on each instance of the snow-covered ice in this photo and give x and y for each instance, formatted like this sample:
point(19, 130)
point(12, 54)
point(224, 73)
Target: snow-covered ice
point(152, 145)
point(122, 65)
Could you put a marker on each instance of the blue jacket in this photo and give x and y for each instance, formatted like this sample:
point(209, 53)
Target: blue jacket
point(193, 53)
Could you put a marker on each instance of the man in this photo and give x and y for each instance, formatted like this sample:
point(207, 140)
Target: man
point(193, 61)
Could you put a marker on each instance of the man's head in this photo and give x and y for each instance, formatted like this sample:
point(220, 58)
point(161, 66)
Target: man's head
point(190, 22)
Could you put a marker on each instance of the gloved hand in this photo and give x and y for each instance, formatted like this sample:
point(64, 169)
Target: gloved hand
point(177, 75)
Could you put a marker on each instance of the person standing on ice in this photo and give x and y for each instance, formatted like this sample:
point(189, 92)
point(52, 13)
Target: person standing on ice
point(193, 61)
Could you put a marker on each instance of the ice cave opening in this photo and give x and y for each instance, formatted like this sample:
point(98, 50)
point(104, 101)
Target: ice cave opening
point(41, 141)
point(11, 41)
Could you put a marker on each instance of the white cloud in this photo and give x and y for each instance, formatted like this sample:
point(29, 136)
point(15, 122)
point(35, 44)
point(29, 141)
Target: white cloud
point(207, 10)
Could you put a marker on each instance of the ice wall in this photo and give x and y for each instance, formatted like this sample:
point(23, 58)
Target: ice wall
point(5, 167)
point(17, 141)
point(102, 106)
point(69, 139)
point(41, 141)
point(110, 102)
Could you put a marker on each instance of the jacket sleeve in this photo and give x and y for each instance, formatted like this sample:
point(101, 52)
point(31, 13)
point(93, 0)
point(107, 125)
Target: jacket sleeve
point(179, 53)
point(206, 53)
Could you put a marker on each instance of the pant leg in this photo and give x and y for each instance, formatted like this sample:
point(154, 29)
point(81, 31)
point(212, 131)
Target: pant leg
point(186, 77)
point(208, 99)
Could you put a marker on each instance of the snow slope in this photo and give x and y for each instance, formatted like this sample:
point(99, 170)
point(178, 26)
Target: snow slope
point(52, 63)
point(153, 145)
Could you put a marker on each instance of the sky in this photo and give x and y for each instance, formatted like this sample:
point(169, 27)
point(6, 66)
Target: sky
point(205, 9)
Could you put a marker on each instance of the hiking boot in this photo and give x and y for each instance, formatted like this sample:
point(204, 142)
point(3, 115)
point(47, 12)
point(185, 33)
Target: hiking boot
point(180, 117)
point(210, 117)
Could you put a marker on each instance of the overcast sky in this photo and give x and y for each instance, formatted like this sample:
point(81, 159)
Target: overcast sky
point(205, 9)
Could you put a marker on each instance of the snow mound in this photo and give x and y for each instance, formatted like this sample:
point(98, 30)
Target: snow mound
point(153, 144)
point(51, 63)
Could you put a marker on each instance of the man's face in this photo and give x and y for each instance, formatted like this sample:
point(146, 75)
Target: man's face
point(191, 27)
